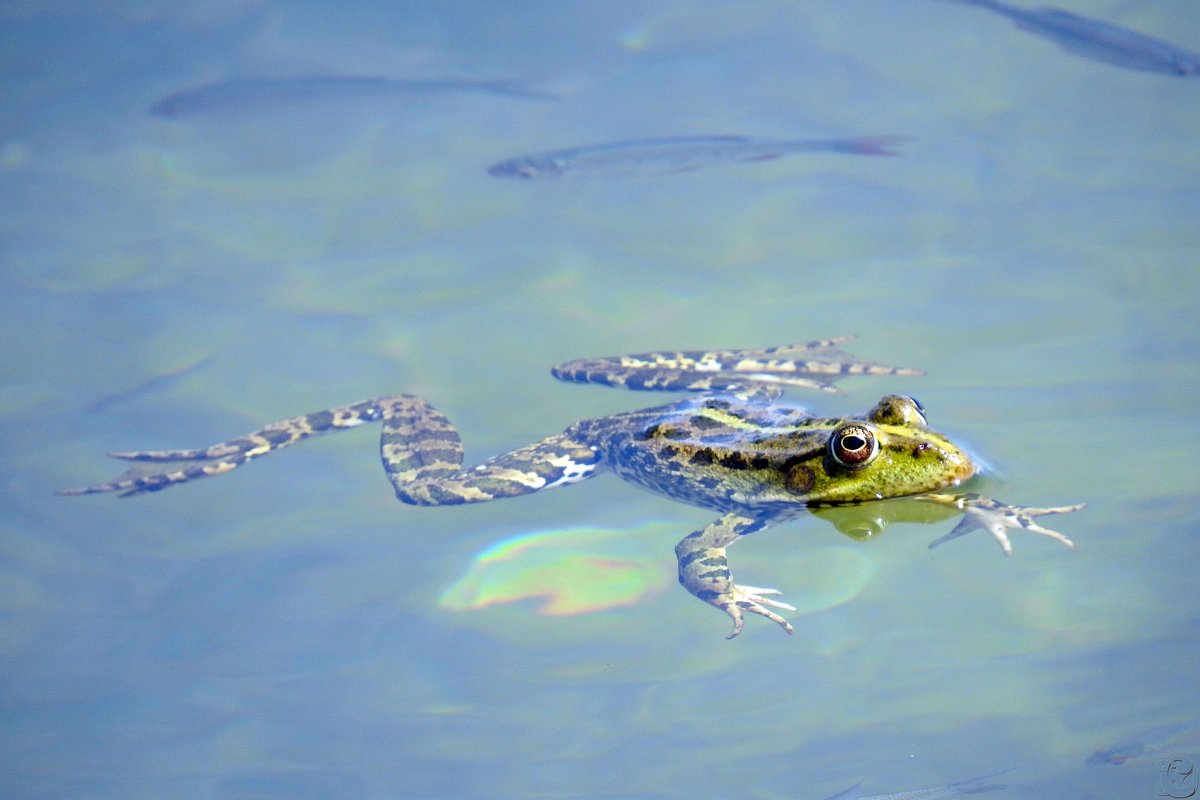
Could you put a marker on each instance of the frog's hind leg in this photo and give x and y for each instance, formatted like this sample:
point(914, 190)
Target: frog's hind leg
point(704, 571)
point(422, 454)
point(154, 470)
point(759, 373)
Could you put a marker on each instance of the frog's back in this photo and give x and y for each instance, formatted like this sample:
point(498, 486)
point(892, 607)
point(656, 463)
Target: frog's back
point(714, 451)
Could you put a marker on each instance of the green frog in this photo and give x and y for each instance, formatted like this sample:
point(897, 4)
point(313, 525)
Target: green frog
point(730, 447)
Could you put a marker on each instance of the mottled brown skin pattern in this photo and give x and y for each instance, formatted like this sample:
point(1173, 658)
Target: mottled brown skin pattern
point(733, 450)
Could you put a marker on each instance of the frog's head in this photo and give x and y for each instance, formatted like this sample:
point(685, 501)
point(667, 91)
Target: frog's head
point(888, 452)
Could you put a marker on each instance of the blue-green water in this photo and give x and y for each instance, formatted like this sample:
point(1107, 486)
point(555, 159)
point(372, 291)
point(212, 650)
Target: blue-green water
point(290, 631)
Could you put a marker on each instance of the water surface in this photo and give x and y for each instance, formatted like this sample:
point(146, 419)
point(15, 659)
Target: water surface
point(281, 632)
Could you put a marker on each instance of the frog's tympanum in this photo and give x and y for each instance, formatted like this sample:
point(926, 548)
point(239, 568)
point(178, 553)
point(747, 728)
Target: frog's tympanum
point(732, 449)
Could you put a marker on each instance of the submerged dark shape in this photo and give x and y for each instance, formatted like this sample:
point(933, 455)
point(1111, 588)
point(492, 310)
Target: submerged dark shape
point(252, 94)
point(1099, 41)
point(677, 154)
point(154, 383)
point(976, 785)
point(1162, 740)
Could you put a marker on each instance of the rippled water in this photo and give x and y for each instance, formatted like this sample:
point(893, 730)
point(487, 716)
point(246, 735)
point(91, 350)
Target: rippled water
point(292, 631)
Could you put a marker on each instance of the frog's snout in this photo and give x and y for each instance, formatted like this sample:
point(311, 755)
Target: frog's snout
point(942, 463)
point(959, 463)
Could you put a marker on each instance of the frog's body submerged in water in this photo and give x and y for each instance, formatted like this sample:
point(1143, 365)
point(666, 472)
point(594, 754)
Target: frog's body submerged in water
point(733, 450)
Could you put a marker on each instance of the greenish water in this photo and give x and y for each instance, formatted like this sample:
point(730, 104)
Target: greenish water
point(292, 631)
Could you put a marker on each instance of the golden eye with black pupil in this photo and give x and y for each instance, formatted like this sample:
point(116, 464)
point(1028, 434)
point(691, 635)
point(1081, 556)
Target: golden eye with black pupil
point(853, 446)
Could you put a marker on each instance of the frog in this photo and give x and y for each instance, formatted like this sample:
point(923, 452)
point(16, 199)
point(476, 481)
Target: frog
point(729, 446)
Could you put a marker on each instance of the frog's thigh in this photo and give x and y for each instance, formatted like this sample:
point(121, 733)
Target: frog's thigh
point(426, 470)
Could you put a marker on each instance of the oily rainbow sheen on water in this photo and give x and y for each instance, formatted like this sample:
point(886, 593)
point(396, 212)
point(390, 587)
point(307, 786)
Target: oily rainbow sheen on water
point(581, 570)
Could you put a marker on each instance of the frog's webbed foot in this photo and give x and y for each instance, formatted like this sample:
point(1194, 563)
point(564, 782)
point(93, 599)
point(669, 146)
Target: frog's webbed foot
point(158, 469)
point(755, 373)
point(704, 571)
point(998, 518)
point(749, 598)
point(154, 470)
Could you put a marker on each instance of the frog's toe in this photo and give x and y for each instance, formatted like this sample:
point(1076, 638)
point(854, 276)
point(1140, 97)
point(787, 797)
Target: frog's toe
point(735, 613)
point(1030, 525)
point(756, 593)
point(752, 599)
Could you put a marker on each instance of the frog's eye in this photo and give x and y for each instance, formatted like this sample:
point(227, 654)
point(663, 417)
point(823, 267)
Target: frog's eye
point(897, 409)
point(917, 405)
point(853, 446)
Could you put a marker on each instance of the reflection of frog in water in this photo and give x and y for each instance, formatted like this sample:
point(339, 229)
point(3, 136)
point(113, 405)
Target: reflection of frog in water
point(733, 450)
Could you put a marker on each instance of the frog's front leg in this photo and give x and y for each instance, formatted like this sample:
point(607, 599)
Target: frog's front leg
point(704, 571)
point(997, 518)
